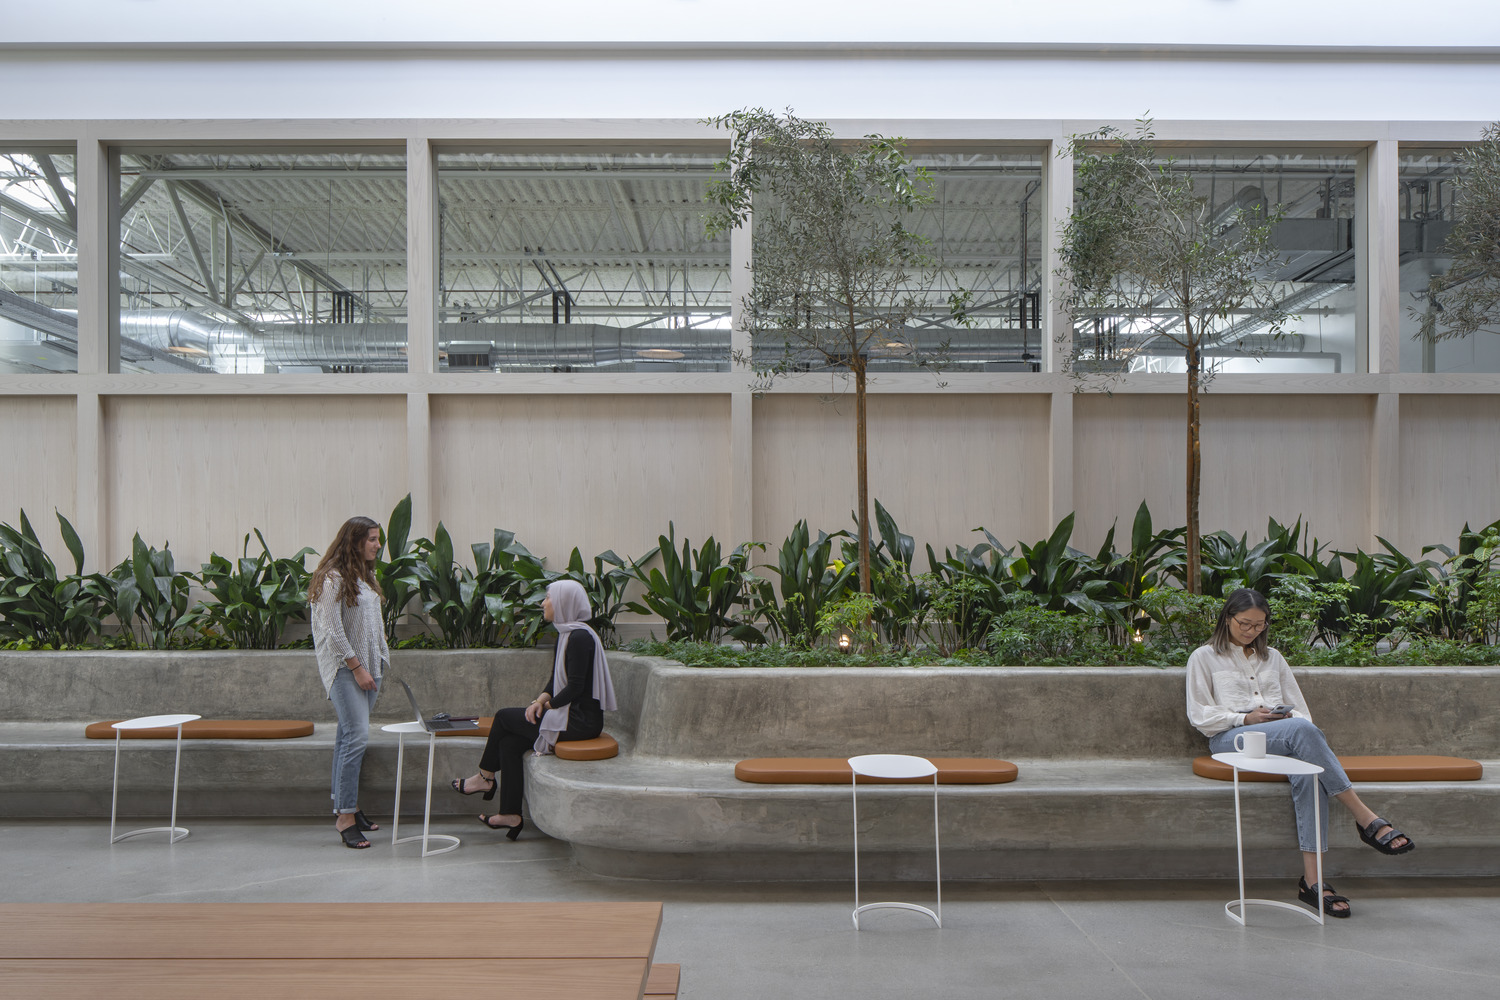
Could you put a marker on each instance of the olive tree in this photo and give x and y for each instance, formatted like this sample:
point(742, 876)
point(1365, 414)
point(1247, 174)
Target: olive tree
point(1144, 255)
point(837, 273)
point(1466, 298)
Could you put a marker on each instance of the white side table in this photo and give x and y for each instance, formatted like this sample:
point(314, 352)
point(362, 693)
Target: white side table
point(1271, 764)
point(401, 729)
point(895, 765)
point(174, 832)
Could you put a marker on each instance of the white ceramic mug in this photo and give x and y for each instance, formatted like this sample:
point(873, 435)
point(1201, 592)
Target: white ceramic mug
point(1251, 744)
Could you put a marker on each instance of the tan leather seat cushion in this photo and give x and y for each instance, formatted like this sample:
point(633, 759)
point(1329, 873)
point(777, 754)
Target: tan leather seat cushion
point(210, 729)
point(1397, 767)
point(601, 747)
point(835, 771)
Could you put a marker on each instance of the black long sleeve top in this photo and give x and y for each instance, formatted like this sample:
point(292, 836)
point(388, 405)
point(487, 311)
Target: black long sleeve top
point(585, 716)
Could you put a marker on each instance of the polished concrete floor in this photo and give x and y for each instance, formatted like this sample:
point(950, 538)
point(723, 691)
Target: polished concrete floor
point(1409, 938)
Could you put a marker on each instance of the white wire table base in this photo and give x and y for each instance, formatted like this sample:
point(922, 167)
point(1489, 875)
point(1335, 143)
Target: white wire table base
point(895, 766)
point(173, 831)
point(1250, 764)
point(425, 837)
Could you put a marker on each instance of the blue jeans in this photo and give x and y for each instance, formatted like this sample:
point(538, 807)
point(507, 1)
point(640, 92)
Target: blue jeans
point(1300, 739)
point(353, 705)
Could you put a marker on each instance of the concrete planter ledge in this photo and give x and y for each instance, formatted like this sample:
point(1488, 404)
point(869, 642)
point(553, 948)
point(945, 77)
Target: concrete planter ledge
point(1105, 787)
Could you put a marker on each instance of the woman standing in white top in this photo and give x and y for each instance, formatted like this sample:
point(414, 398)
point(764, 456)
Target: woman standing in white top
point(1238, 683)
point(349, 638)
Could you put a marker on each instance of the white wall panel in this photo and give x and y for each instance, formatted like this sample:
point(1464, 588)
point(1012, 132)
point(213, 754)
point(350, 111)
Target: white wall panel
point(200, 472)
point(596, 472)
point(941, 464)
point(1450, 467)
point(1263, 456)
point(38, 438)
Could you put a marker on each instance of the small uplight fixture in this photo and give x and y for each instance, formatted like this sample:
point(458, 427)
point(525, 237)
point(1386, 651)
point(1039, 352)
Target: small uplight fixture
point(846, 642)
point(660, 354)
point(1138, 636)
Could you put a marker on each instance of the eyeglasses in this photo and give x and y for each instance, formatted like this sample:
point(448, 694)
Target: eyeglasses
point(1251, 626)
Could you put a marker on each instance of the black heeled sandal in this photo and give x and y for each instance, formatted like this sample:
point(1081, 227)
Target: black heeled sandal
point(354, 837)
point(511, 832)
point(457, 784)
point(362, 822)
point(1310, 895)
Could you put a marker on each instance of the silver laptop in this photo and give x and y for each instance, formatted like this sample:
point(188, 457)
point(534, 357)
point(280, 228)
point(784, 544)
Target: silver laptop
point(438, 723)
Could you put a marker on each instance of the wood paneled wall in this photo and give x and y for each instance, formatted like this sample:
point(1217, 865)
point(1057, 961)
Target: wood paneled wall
point(596, 472)
point(201, 471)
point(610, 470)
point(941, 463)
point(38, 466)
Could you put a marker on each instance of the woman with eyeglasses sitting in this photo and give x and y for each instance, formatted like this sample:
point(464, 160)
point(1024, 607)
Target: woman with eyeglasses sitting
point(1238, 683)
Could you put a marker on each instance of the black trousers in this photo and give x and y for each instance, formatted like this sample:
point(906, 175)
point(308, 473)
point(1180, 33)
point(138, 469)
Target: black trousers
point(511, 739)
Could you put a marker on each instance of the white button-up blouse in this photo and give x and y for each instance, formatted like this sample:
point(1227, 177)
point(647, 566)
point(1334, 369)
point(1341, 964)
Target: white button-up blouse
point(1223, 687)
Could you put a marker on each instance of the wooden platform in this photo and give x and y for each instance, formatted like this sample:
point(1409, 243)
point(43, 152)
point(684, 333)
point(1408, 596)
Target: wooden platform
point(250, 951)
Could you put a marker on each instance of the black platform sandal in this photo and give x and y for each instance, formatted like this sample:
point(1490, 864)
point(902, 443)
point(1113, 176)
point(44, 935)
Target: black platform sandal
point(362, 822)
point(1309, 895)
point(1383, 844)
point(354, 837)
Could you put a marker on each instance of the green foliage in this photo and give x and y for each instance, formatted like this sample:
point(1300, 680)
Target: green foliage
point(696, 593)
point(148, 596)
point(809, 580)
point(251, 601)
point(497, 603)
point(1032, 634)
point(1230, 563)
point(849, 616)
point(1152, 558)
point(605, 588)
point(1466, 298)
point(397, 572)
point(38, 606)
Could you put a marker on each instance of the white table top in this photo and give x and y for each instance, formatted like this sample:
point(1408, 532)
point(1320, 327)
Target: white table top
point(154, 721)
point(1271, 763)
point(404, 727)
point(892, 765)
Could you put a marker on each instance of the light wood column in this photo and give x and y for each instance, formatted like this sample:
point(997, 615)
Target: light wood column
point(97, 200)
point(90, 510)
point(1060, 458)
point(422, 270)
point(1385, 471)
point(1379, 255)
point(741, 399)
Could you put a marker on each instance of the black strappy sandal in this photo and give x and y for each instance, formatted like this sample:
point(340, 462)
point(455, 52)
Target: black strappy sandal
point(511, 832)
point(1383, 844)
point(457, 784)
point(1309, 894)
point(354, 837)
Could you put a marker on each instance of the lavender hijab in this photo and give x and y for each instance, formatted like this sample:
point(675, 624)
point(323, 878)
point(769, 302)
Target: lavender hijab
point(570, 613)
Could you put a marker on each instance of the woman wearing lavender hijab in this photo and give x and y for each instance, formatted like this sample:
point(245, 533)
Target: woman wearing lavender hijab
point(570, 707)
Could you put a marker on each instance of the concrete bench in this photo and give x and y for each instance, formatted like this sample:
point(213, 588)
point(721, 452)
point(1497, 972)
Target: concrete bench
point(1105, 792)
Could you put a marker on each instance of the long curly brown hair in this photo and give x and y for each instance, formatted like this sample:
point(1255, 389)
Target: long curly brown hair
point(345, 558)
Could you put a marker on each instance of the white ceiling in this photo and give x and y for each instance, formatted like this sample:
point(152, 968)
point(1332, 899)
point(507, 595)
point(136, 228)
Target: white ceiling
point(1145, 22)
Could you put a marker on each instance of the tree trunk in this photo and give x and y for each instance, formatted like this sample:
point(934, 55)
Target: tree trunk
point(1194, 468)
point(862, 473)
